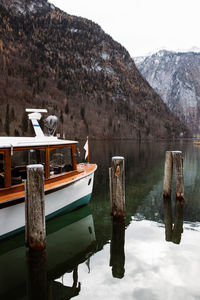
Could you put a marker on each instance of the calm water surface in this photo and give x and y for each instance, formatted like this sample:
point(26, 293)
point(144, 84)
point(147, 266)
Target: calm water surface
point(155, 254)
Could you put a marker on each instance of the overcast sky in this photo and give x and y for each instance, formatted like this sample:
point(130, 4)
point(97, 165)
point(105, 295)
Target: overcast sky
point(142, 26)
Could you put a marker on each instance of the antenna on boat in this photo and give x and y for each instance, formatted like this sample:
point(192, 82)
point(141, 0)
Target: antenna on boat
point(34, 116)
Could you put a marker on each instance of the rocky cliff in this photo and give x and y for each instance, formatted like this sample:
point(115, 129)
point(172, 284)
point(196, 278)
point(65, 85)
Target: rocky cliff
point(176, 77)
point(67, 64)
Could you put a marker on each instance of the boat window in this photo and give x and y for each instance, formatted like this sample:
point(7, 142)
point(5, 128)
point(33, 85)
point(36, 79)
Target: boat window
point(60, 160)
point(21, 159)
point(2, 172)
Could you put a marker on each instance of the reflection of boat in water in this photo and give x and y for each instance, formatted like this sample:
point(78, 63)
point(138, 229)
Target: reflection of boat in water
point(70, 241)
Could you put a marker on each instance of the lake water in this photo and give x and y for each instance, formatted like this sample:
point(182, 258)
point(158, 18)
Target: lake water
point(155, 254)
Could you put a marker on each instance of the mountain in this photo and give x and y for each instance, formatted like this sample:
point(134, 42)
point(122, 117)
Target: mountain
point(67, 64)
point(27, 6)
point(176, 78)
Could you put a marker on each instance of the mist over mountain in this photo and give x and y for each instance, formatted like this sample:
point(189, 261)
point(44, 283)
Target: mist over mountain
point(176, 77)
point(67, 64)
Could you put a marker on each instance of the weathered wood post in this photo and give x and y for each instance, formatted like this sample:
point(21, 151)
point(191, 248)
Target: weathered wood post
point(173, 233)
point(117, 186)
point(178, 166)
point(173, 158)
point(35, 228)
point(168, 175)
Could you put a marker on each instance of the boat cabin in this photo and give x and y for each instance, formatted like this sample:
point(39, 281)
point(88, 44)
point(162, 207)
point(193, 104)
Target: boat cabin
point(57, 156)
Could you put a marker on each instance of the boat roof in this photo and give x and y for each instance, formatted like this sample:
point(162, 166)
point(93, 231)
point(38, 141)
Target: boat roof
point(9, 142)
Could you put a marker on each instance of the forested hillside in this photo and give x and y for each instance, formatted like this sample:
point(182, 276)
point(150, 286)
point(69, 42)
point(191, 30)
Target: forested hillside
point(67, 64)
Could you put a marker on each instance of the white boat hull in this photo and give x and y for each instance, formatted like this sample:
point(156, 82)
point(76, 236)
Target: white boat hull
point(68, 198)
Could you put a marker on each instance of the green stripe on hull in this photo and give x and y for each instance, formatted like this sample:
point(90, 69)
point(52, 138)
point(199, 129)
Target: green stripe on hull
point(72, 206)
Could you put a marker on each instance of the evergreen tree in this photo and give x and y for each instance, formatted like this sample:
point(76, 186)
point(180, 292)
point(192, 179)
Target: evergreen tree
point(12, 114)
point(66, 108)
point(16, 132)
point(24, 122)
point(7, 120)
point(41, 123)
point(82, 111)
point(61, 117)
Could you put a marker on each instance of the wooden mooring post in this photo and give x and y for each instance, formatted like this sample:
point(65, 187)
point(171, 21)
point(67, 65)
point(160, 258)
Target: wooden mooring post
point(117, 186)
point(173, 159)
point(35, 228)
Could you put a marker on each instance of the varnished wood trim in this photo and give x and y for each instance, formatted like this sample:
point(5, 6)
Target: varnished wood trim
point(21, 199)
point(33, 147)
point(52, 147)
point(47, 163)
point(11, 190)
point(74, 157)
point(41, 148)
point(51, 185)
point(62, 176)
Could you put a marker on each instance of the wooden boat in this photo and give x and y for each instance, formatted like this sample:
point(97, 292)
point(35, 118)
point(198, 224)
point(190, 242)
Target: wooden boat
point(67, 185)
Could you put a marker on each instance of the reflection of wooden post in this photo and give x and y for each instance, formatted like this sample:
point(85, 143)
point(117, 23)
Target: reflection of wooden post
point(34, 203)
point(178, 165)
point(168, 219)
point(37, 274)
point(178, 221)
point(117, 256)
point(75, 277)
point(173, 158)
point(117, 186)
point(168, 175)
point(173, 232)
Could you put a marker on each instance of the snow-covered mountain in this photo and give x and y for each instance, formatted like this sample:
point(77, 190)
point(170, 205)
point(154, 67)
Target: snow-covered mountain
point(27, 6)
point(176, 77)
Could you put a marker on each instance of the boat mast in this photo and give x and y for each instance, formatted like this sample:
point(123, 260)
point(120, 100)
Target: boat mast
point(34, 116)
